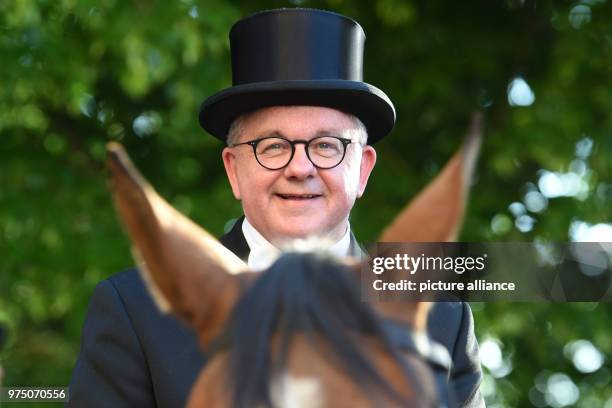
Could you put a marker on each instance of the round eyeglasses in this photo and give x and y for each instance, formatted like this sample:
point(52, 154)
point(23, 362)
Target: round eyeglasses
point(275, 153)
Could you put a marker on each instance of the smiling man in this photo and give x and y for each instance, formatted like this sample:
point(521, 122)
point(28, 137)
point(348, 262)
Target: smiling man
point(298, 171)
point(299, 124)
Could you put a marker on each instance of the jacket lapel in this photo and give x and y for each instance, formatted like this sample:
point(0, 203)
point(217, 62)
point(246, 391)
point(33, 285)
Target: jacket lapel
point(234, 241)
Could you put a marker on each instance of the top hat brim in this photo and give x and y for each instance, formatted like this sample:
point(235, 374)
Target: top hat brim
point(363, 100)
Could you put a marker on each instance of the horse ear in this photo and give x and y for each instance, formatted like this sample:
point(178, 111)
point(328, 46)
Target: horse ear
point(187, 271)
point(412, 314)
point(436, 214)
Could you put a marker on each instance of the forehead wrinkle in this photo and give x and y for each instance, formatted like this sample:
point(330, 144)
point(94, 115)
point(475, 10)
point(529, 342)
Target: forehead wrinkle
point(319, 133)
point(271, 133)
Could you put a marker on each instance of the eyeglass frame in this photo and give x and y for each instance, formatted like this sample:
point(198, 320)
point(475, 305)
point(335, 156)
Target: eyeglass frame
point(253, 143)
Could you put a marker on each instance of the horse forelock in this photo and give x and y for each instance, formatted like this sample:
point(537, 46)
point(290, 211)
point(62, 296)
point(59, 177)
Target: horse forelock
point(310, 296)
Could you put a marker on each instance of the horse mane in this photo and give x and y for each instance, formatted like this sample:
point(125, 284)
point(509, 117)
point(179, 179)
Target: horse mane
point(303, 294)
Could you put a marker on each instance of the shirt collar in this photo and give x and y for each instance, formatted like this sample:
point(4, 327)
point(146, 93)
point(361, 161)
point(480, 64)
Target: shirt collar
point(263, 253)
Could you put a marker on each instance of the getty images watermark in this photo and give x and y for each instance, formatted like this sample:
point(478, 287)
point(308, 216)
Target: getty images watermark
point(489, 272)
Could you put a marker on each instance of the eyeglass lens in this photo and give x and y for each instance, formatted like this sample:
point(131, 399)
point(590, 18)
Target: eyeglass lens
point(324, 152)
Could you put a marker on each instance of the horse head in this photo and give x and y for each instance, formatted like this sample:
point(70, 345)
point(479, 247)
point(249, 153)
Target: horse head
point(297, 334)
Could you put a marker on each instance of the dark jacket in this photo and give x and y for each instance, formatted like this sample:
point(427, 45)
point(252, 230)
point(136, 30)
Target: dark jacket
point(133, 356)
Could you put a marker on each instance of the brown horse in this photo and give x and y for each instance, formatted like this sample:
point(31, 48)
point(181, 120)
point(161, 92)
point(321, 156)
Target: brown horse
point(297, 334)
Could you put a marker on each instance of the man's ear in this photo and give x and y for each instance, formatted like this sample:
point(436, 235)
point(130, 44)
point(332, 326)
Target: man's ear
point(368, 160)
point(229, 161)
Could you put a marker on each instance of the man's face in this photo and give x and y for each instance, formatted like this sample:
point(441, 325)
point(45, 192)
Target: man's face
point(299, 200)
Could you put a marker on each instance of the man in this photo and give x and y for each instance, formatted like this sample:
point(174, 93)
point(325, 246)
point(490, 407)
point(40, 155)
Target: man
point(299, 124)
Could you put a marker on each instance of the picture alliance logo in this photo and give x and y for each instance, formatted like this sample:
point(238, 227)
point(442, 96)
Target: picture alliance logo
point(413, 264)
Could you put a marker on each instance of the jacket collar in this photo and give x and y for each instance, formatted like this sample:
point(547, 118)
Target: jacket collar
point(234, 241)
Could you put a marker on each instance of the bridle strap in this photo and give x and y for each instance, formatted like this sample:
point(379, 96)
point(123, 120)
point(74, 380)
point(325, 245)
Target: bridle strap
point(221, 342)
point(432, 352)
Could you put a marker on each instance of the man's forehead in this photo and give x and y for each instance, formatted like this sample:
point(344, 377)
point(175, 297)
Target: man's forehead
point(296, 120)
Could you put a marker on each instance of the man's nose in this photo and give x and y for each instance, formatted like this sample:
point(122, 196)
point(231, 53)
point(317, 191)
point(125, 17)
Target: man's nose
point(300, 166)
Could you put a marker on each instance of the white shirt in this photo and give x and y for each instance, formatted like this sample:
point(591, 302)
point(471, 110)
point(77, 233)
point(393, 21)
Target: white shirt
point(263, 253)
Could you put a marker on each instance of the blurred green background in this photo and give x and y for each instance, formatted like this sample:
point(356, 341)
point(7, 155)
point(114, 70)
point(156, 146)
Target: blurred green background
point(77, 74)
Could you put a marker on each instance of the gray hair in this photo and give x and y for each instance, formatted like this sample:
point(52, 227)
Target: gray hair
point(359, 133)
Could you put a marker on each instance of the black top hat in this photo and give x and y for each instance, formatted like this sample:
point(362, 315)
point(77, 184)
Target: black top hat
point(298, 57)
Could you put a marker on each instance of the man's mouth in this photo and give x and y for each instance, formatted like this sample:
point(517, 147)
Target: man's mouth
point(298, 196)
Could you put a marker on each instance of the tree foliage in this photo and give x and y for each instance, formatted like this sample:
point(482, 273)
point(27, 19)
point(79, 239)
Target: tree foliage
point(77, 74)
